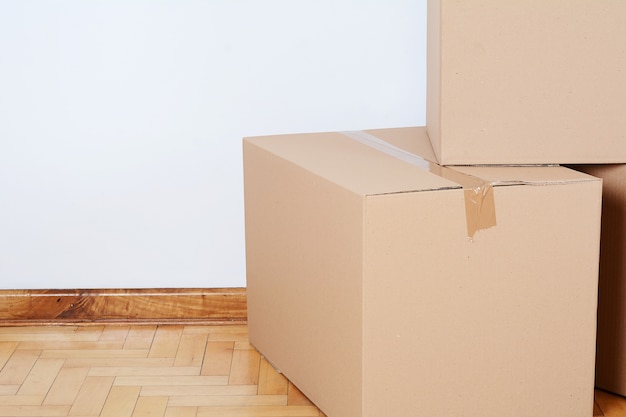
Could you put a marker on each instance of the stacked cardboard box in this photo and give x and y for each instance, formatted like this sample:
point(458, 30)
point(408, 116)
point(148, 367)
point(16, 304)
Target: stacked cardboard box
point(422, 271)
point(611, 344)
point(533, 82)
point(367, 291)
point(555, 94)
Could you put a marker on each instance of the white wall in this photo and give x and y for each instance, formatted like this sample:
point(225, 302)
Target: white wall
point(121, 124)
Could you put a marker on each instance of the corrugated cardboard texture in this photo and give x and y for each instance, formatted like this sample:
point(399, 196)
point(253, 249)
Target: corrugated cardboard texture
point(529, 82)
point(379, 304)
point(611, 354)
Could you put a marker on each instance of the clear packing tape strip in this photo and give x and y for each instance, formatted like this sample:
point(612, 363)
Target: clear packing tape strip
point(480, 207)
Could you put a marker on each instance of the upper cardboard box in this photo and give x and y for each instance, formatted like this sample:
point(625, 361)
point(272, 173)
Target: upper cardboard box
point(527, 82)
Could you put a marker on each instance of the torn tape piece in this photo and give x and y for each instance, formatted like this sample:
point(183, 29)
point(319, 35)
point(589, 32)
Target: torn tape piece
point(480, 208)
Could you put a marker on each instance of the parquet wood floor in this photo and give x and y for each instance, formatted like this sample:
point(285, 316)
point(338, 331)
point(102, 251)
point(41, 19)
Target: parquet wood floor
point(142, 371)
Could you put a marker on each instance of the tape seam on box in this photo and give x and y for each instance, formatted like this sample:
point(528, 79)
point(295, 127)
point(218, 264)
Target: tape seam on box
point(480, 208)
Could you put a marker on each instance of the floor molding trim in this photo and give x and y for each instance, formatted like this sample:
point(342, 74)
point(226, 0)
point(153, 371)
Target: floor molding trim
point(134, 306)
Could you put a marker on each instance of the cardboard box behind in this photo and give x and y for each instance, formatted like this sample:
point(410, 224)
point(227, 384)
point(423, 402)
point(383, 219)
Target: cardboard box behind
point(611, 345)
point(527, 82)
point(365, 290)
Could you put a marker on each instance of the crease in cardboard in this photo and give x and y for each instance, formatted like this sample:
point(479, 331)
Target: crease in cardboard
point(480, 207)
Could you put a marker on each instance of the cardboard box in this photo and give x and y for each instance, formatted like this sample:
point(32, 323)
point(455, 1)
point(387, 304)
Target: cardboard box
point(366, 291)
point(611, 345)
point(520, 82)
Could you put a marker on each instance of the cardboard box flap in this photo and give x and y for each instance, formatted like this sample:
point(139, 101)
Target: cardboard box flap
point(370, 172)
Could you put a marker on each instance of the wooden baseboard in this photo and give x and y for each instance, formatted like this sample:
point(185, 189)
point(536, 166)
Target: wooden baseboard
point(184, 306)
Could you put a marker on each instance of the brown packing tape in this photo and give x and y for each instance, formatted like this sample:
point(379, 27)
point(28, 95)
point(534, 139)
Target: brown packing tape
point(480, 206)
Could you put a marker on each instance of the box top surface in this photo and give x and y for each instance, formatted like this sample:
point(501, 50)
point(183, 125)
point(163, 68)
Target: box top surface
point(351, 164)
point(396, 160)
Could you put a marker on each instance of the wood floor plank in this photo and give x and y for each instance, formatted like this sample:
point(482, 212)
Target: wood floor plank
point(233, 330)
point(170, 380)
point(238, 333)
point(120, 402)
point(121, 362)
point(6, 350)
point(92, 396)
point(38, 330)
point(199, 329)
point(166, 341)
point(9, 389)
point(47, 337)
point(90, 329)
point(245, 367)
point(150, 407)
point(20, 399)
point(65, 345)
point(114, 334)
point(140, 337)
point(270, 381)
point(41, 377)
point(90, 333)
point(181, 411)
point(144, 371)
point(610, 405)
point(18, 366)
point(94, 353)
point(197, 390)
point(66, 386)
point(218, 358)
point(261, 411)
point(230, 400)
point(243, 345)
point(33, 411)
point(191, 350)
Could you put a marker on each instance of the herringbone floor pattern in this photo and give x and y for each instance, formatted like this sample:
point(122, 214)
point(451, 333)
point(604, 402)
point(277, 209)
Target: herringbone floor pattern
point(164, 371)
point(141, 371)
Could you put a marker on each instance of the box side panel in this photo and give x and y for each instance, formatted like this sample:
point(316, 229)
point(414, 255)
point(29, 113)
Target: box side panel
point(504, 322)
point(303, 250)
point(433, 75)
point(611, 345)
point(533, 82)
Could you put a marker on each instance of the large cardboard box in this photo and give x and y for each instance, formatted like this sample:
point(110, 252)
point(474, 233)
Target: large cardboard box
point(527, 82)
point(611, 345)
point(366, 290)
